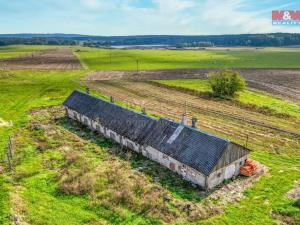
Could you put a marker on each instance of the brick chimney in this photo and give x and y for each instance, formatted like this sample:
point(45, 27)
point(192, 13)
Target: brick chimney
point(194, 122)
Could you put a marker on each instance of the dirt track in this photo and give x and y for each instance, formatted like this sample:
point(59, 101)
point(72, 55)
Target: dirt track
point(50, 59)
point(213, 116)
point(283, 82)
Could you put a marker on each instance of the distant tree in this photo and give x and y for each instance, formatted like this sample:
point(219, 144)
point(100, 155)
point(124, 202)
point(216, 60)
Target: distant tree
point(226, 83)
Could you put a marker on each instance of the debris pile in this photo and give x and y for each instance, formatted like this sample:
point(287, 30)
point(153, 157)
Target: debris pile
point(249, 168)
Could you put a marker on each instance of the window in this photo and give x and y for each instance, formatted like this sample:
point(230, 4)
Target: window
point(97, 127)
point(76, 115)
point(183, 169)
point(112, 136)
point(165, 156)
point(130, 145)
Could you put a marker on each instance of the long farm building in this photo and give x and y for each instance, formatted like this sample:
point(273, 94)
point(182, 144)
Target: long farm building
point(199, 157)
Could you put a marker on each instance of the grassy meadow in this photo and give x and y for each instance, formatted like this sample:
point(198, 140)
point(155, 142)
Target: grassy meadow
point(19, 92)
point(256, 98)
point(116, 59)
point(50, 149)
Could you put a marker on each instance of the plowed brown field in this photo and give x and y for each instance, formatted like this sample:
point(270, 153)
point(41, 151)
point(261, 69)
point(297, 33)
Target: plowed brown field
point(268, 132)
point(283, 82)
point(50, 59)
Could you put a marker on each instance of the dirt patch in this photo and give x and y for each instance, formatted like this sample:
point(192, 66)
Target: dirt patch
point(233, 192)
point(283, 82)
point(284, 219)
point(50, 59)
point(19, 207)
point(295, 192)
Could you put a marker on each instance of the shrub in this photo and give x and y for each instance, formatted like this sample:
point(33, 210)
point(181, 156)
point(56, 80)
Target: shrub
point(226, 83)
point(76, 176)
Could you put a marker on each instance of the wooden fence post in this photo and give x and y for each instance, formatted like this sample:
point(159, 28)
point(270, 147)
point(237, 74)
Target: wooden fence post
point(9, 162)
point(10, 149)
point(247, 141)
point(9, 153)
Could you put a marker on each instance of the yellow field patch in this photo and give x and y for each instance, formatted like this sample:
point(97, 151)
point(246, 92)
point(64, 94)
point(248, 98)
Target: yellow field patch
point(4, 123)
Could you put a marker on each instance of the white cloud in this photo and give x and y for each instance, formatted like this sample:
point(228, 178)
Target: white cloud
point(164, 17)
point(231, 15)
point(189, 17)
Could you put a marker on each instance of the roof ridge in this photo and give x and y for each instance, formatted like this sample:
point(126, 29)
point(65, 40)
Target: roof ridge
point(111, 103)
point(196, 129)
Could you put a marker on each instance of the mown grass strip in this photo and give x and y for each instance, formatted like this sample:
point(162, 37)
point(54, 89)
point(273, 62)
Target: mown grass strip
point(254, 98)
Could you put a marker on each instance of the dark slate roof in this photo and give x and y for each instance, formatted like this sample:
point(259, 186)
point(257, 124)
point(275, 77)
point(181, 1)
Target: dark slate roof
point(193, 147)
point(125, 122)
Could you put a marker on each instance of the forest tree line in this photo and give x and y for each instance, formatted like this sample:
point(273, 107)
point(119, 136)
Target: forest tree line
point(251, 40)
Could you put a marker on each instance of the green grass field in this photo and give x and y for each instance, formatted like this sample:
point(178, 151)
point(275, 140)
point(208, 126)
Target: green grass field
point(18, 50)
point(256, 98)
point(20, 92)
point(35, 176)
point(104, 59)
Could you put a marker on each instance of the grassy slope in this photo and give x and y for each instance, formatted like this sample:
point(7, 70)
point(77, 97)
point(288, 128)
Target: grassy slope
point(248, 97)
point(21, 91)
point(17, 50)
point(99, 59)
point(26, 89)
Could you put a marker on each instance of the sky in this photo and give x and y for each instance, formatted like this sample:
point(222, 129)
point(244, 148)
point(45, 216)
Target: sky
point(143, 17)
